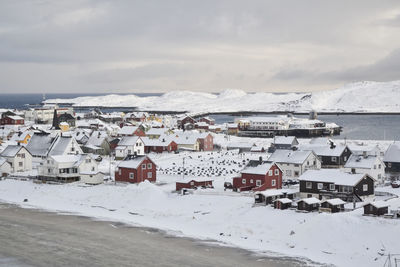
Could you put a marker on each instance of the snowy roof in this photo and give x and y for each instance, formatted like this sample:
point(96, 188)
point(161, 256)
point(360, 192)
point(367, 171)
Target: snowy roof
point(186, 139)
point(332, 176)
point(288, 156)
point(284, 200)
point(66, 158)
point(239, 145)
point(120, 148)
point(10, 151)
point(156, 142)
point(39, 144)
point(261, 169)
point(157, 131)
point(325, 150)
point(392, 153)
point(286, 140)
point(310, 200)
point(97, 138)
point(379, 204)
point(2, 161)
point(128, 141)
point(131, 163)
point(60, 145)
point(15, 117)
point(128, 130)
point(335, 201)
point(277, 192)
point(356, 161)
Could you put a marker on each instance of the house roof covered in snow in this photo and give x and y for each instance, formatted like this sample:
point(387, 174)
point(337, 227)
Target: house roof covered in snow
point(129, 140)
point(325, 150)
point(310, 200)
point(289, 156)
point(334, 176)
point(379, 204)
point(61, 145)
point(361, 162)
point(392, 153)
point(127, 130)
point(284, 200)
point(40, 144)
point(10, 151)
point(261, 169)
point(286, 140)
point(334, 201)
point(132, 163)
point(2, 161)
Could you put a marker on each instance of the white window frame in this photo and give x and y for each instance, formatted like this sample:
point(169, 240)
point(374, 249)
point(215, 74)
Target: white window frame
point(258, 182)
point(149, 166)
point(320, 186)
point(273, 182)
point(333, 159)
point(276, 172)
point(270, 173)
point(243, 181)
point(365, 187)
point(144, 166)
point(309, 185)
point(149, 175)
point(131, 175)
point(332, 187)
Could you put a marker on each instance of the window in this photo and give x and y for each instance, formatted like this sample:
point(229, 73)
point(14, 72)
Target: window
point(243, 181)
point(308, 185)
point(258, 182)
point(143, 166)
point(333, 159)
point(320, 186)
point(92, 169)
point(374, 167)
point(332, 187)
point(389, 165)
point(365, 187)
point(20, 164)
point(48, 170)
point(149, 166)
point(288, 173)
point(270, 173)
point(379, 166)
point(345, 158)
point(379, 176)
point(119, 171)
point(296, 174)
point(273, 182)
point(251, 181)
point(276, 172)
point(23, 156)
point(88, 160)
point(131, 175)
point(149, 175)
point(72, 149)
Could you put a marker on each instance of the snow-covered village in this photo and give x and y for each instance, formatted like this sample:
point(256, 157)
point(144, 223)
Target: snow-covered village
point(303, 197)
point(199, 133)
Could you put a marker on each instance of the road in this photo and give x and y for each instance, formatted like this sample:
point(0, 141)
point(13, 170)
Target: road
point(31, 237)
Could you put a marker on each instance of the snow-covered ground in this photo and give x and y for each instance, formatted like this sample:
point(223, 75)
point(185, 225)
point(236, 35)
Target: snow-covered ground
point(345, 239)
point(354, 97)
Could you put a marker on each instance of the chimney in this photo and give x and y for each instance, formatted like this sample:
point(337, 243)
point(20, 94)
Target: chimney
point(260, 159)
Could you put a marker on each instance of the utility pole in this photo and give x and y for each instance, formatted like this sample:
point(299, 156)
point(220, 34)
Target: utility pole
point(183, 168)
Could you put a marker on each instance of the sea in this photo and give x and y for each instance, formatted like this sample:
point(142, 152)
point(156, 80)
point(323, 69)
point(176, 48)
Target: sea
point(355, 126)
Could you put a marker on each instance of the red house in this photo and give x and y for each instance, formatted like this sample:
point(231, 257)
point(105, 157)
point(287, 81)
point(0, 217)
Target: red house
point(136, 170)
point(184, 120)
point(159, 145)
point(208, 120)
point(193, 184)
point(12, 120)
point(262, 177)
point(206, 141)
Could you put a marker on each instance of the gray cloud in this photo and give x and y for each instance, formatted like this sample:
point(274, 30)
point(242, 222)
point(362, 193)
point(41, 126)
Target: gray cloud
point(198, 45)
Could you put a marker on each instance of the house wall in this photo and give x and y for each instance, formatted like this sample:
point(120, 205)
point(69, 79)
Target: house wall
point(206, 144)
point(5, 169)
point(21, 162)
point(370, 209)
point(266, 180)
point(378, 174)
point(140, 174)
point(392, 167)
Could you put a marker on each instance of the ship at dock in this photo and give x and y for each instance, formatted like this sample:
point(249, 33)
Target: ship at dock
point(288, 125)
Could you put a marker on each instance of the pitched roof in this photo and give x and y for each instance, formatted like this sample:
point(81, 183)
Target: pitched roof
point(40, 144)
point(128, 140)
point(392, 153)
point(332, 176)
point(379, 204)
point(10, 151)
point(310, 200)
point(325, 150)
point(288, 156)
point(60, 145)
point(356, 161)
point(284, 200)
point(131, 163)
point(286, 140)
point(261, 169)
point(334, 201)
point(128, 130)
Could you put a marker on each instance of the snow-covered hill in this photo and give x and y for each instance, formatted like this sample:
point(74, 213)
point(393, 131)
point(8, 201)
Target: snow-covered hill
point(354, 97)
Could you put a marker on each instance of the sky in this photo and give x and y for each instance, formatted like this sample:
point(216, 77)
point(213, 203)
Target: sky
point(118, 46)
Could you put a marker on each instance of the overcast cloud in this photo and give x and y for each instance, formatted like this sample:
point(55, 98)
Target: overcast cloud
point(157, 46)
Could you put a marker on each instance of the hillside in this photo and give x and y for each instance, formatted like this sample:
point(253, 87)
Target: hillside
point(354, 97)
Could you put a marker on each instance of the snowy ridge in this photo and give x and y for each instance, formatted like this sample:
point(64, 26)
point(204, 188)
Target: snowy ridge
point(354, 97)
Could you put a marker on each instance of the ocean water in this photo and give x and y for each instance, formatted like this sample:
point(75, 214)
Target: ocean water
point(358, 127)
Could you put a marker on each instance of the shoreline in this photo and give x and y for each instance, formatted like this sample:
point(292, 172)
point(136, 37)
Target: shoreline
point(254, 257)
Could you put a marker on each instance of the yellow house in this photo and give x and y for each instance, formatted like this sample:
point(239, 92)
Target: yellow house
point(64, 127)
point(26, 139)
point(22, 138)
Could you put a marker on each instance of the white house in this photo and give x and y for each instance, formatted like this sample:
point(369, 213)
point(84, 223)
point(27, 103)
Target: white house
point(129, 145)
point(18, 157)
point(5, 167)
point(372, 165)
point(70, 168)
point(295, 163)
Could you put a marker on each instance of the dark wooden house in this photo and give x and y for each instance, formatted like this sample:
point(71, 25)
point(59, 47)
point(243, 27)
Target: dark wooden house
point(392, 158)
point(283, 203)
point(194, 184)
point(377, 208)
point(308, 204)
point(332, 205)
